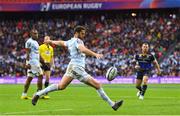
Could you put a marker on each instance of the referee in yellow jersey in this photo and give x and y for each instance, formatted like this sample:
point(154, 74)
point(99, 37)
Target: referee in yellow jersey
point(47, 61)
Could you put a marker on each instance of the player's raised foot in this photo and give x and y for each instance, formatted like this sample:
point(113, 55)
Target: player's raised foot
point(138, 93)
point(35, 99)
point(25, 97)
point(141, 97)
point(117, 105)
point(45, 97)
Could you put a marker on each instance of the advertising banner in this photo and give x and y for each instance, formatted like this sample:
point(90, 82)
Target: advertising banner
point(117, 80)
point(88, 5)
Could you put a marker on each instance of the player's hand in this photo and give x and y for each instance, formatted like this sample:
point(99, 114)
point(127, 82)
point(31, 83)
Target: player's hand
point(27, 65)
point(98, 56)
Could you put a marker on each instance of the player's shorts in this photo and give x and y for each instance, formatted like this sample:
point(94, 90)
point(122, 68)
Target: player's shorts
point(46, 66)
point(77, 72)
point(141, 74)
point(34, 71)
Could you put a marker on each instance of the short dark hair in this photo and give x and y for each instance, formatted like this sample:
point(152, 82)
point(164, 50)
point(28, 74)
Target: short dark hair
point(146, 43)
point(34, 31)
point(79, 29)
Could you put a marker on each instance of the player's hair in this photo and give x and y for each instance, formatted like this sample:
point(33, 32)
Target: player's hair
point(79, 29)
point(33, 30)
point(146, 43)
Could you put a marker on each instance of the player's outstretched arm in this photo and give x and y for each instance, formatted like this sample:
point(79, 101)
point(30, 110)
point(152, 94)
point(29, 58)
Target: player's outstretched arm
point(89, 52)
point(59, 42)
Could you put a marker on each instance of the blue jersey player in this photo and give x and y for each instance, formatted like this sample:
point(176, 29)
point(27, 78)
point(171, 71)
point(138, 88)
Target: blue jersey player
point(143, 67)
point(76, 68)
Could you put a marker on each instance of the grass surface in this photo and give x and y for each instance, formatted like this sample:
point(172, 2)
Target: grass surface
point(83, 100)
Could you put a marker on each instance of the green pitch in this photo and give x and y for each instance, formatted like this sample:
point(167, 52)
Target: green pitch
point(83, 100)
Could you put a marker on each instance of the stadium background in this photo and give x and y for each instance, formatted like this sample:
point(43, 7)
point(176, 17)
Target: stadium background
point(116, 28)
point(117, 34)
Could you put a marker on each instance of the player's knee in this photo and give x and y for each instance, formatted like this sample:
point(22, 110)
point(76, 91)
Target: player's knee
point(98, 85)
point(61, 87)
point(47, 76)
point(145, 81)
point(47, 79)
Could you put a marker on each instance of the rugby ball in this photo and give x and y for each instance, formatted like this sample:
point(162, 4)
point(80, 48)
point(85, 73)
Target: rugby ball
point(111, 73)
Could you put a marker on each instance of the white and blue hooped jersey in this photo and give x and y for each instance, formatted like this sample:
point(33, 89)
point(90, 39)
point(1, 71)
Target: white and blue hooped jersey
point(76, 56)
point(34, 53)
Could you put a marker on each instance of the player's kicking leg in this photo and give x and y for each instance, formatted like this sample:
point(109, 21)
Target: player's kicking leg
point(26, 87)
point(54, 87)
point(95, 84)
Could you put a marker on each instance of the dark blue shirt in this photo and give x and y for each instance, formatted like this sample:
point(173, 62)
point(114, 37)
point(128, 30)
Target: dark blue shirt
point(145, 61)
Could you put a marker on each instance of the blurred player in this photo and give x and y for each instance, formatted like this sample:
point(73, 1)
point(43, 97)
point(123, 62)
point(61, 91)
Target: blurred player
point(47, 61)
point(32, 63)
point(76, 68)
point(143, 67)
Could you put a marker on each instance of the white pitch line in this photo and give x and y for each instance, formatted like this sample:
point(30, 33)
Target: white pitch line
point(35, 111)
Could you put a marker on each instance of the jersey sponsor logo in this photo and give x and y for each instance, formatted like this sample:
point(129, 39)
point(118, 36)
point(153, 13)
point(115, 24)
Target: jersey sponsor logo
point(47, 52)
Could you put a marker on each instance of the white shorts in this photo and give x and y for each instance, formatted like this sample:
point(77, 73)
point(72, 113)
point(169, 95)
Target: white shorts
point(34, 71)
point(77, 72)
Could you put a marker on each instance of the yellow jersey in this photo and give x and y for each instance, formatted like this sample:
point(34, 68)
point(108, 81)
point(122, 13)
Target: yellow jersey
point(46, 52)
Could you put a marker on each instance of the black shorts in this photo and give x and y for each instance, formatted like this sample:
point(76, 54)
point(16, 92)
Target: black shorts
point(141, 74)
point(46, 66)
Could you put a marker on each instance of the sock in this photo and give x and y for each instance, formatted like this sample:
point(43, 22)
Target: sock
point(103, 95)
point(53, 87)
point(39, 90)
point(144, 87)
point(139, 88)
point(24, 94)
point(46, 84)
